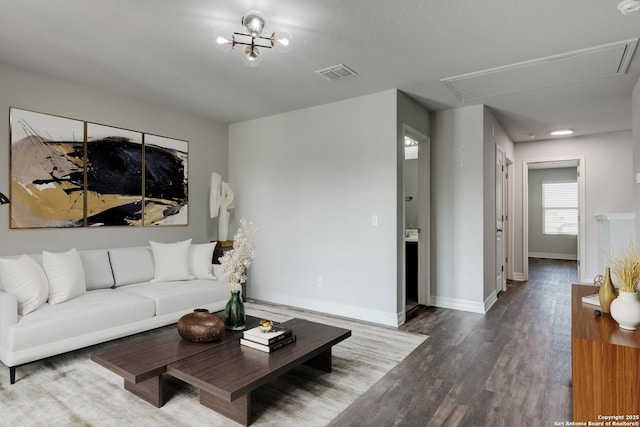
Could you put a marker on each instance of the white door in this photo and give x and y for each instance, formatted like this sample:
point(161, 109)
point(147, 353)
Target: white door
point(500, 223)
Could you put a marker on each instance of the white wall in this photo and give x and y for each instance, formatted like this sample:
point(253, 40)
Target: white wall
point(463, 221)
point(608, 183)
point(207, 153)
point(494, 136)
point(457, 218)
point(311, 180)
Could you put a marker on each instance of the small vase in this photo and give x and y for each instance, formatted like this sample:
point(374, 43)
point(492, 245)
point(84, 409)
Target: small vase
point(234, 316)
point(626, 310)
point(607, 292)
point(200, 326)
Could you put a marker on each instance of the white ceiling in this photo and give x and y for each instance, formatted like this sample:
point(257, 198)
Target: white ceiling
point(162, 51)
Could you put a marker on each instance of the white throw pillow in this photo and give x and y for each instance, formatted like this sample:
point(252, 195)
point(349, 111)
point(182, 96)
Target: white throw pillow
point(201, 259)
point(65, 273)
point(23, 277)
point(171, 261)
point(131, 265)
point(97, 269)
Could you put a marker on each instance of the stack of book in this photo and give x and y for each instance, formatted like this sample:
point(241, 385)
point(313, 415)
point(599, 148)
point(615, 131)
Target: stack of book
point(270, 341)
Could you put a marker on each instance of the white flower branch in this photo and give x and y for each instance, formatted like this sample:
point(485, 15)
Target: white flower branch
point(234, 263)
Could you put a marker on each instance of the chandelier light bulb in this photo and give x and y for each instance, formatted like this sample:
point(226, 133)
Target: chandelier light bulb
point(224, 43)
point(252, 56)
point(281, 40)
point(255, 22)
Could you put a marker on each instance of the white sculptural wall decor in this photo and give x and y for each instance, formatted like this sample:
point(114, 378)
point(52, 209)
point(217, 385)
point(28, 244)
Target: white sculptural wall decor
point(221, 199)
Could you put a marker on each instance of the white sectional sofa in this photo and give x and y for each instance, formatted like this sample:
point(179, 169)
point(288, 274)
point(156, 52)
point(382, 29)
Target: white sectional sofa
point(107, 294)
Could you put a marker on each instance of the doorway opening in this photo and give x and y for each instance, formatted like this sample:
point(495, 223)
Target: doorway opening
point(416, 221)
point(554, 211)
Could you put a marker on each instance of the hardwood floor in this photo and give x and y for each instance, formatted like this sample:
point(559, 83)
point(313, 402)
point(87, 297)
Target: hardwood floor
point(510, 367)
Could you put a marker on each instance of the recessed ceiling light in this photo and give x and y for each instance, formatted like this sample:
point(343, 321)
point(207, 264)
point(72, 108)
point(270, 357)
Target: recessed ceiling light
point(562, 132)
point(627, 7)
point(530, 135)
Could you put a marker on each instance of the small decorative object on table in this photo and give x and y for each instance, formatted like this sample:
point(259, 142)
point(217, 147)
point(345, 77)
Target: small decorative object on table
point(598, 281)
point(201, 326)
point(266, 325)
point(276, 337)
point(625, 309)
point(233, 266)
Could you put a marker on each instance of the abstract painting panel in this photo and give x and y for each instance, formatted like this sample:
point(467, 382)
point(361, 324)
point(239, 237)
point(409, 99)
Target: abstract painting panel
point(166, 181)
point(114, 176)
point(47, 170)
point(71, 173)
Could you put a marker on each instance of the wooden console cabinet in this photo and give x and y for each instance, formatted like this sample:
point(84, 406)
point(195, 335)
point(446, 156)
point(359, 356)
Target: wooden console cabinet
point(605, 363)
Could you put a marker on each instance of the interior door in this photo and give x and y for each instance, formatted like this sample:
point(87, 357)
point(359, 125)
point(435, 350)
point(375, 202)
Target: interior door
point(500, 273)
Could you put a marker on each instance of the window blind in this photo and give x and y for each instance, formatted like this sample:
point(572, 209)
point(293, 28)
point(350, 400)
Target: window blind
point(560, 208)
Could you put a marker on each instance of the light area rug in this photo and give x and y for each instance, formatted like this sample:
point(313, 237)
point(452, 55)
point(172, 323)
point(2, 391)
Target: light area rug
point(71, 390)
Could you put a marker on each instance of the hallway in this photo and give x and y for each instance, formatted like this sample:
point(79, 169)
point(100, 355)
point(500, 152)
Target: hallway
point(510, 367)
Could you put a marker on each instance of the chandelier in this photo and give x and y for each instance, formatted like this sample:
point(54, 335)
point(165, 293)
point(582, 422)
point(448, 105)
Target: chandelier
point(256, 38)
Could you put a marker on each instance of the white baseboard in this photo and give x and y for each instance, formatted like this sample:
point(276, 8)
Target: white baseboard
point(518, 276)
point(570, 257)
point(491, 299)
point(458, 304)
point(336, 309)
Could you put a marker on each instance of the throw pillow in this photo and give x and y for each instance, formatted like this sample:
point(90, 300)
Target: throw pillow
point(131, 265)
point(97, 269)
point(171, 261)
point(23, 277)
point(66, 275)
point(201, 257)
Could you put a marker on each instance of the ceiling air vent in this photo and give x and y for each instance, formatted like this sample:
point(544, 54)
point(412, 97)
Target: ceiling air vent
point(336, 72)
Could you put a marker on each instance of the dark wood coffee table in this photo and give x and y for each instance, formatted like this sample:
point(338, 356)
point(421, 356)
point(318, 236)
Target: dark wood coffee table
point(226, 375)
point(143, 361)
point(225, 372)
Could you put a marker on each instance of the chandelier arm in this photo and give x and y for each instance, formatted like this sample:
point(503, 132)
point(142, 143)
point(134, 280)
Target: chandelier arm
point(253, 43)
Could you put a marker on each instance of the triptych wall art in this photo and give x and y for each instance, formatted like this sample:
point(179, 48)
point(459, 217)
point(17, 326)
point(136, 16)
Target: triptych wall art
point(73, 173)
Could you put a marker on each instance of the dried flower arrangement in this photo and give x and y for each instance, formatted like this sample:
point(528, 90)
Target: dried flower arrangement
point(626, 267)
point(234, 263)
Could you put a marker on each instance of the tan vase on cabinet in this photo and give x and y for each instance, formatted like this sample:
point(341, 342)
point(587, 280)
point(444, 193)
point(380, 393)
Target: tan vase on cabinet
point(607, 293)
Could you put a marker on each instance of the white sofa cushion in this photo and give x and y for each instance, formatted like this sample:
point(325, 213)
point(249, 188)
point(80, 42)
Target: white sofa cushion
point(65, 273)
point(201, 258)
point(217, 271)
point(94, 311)
point(97, 269)
point(131, 265)
point(172, 297)
point(171, 261)
point(24, 278)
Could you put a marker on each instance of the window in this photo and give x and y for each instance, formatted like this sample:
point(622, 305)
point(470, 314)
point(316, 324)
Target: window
point(410, 148)
point(560, 207)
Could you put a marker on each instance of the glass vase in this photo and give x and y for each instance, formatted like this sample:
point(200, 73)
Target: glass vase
point(234, 316)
